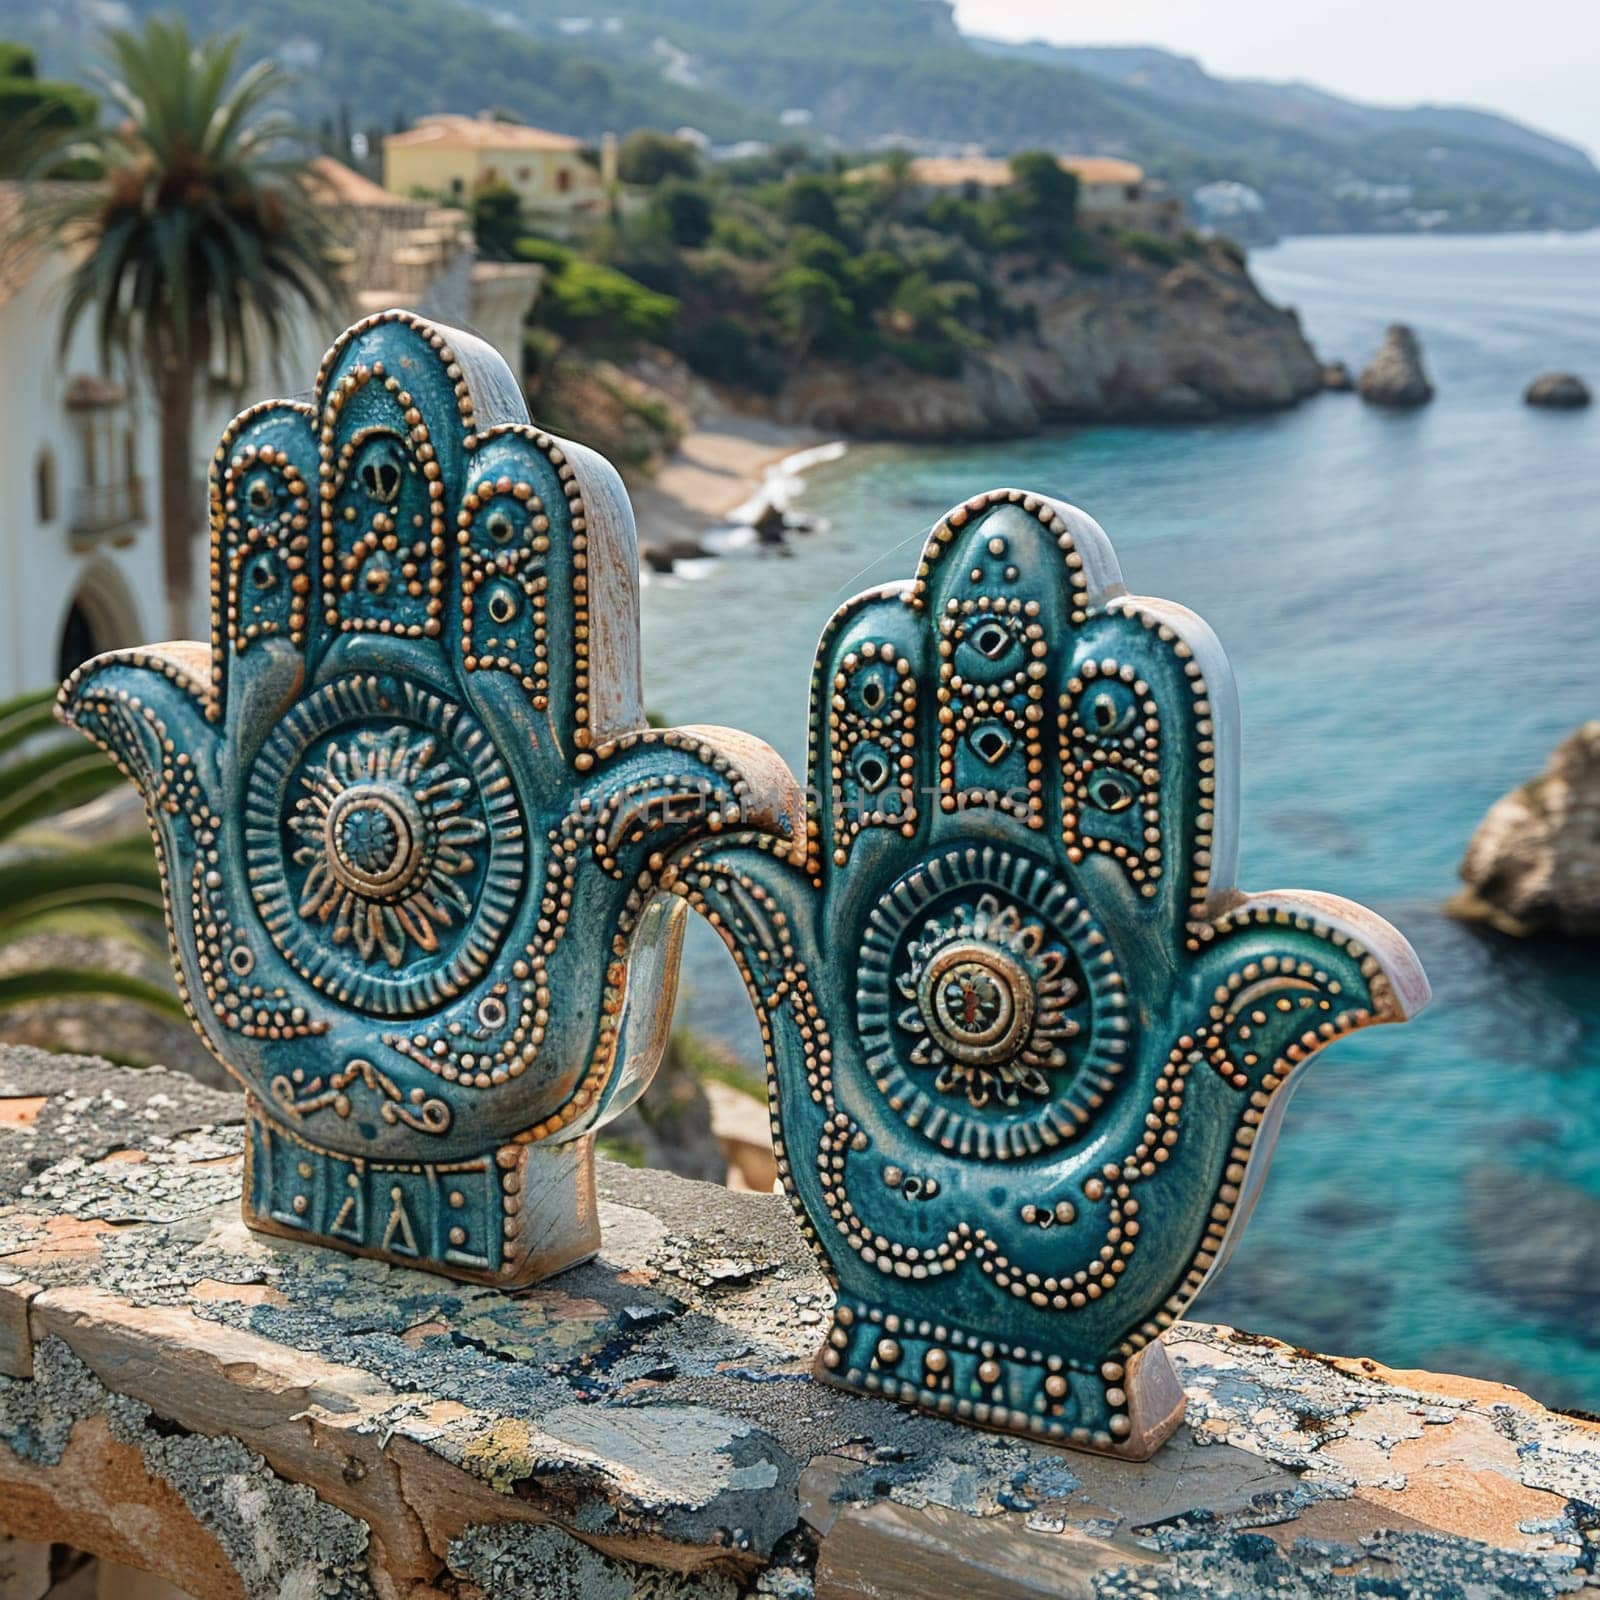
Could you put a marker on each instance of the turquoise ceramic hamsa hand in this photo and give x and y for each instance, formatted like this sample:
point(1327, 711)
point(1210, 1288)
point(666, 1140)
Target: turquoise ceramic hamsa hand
point(1028, 1046)
point(408, 812)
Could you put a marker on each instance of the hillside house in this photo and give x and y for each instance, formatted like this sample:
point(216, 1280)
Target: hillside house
point(455, 157)
point(1111, 191)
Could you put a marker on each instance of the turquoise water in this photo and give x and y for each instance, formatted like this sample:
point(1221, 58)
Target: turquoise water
point(1412, 606)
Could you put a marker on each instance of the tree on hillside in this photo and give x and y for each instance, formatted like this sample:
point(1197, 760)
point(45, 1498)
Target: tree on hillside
point(686, 213)
point(808, 202)
point(647, 156)
point(497, 222)
point(1043, 197)
point(895, 179)
point(197, 241)
point(34, 111)
point(814, 313)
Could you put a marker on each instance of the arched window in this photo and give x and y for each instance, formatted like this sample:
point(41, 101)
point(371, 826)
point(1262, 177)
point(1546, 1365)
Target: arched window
point(78, 641)
point(44, 487)
point(102, 615)
point(563, 180)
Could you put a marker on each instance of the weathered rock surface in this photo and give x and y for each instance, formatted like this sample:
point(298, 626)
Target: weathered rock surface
point(1533, 866)
point(1196, 340)
point(1560, 391)
point(1336, 378)
point(1396, 375)
point(251, 1417)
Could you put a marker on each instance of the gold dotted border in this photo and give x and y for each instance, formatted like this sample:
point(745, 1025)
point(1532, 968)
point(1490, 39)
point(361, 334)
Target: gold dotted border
point(1084, 750)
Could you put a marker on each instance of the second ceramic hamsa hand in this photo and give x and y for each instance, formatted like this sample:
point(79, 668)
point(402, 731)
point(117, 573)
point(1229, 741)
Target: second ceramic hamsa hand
point(1028, 1045)
point(408, 810)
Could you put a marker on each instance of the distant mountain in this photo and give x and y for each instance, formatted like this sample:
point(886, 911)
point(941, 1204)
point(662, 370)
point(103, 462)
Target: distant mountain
point(371, 66)
point(1301, 105)
point(871, 71)
point(857, 73)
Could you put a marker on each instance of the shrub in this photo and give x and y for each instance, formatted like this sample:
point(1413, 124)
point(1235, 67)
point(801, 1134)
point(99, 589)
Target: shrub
point(740, 238)
point(811, 308)
point(932, 356)
point(873, 278)
point(1163, 252)
point(647, 156)
point(969, 220)
point(808, 247)
point(497, 223)
point(585, 300)
point(1039, 207)
point(547, 253)
point(808, 202)
point(724, 350)
point(1083, 254)
point(686, 212)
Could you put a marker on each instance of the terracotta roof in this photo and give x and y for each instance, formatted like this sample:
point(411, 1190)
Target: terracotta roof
point(993, 172)
point(1103, 169)
point(332, 183)
point(479, 133)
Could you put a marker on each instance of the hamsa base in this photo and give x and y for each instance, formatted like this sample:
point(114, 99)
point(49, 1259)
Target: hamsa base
point(1126, 1408)
point(513, 1215)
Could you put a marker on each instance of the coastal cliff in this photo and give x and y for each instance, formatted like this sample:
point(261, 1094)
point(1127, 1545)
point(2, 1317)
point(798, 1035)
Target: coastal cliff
point(1147, 340)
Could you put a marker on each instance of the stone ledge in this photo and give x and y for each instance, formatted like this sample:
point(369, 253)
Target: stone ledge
point(248, 1417)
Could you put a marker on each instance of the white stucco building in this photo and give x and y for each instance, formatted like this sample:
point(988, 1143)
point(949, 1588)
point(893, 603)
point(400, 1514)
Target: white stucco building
point(80, 570)
point(80, 555)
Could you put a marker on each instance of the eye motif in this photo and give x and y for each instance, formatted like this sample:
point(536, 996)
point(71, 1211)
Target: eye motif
point(501, 528)
point(872, 689)
point(381, 470)
point(264, 573)
point(1111, 714)
point(989, 650)
point(993, 742)
point(260, 496)
point(503, 605)
point(1109, 790)
point(872, 767)
point(991, 639)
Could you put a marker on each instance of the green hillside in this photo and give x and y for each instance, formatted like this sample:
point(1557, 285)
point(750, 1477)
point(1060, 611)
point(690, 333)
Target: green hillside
point(852, 73)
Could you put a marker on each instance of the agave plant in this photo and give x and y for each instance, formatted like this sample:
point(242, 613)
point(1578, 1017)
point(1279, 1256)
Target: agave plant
point(49, 882)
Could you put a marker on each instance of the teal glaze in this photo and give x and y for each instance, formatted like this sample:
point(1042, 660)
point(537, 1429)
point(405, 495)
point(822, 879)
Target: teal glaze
point(407, 807)
point(1027, 1044)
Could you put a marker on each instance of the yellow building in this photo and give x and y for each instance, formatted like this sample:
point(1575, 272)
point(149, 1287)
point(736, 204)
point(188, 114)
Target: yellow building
point(455, 156)
point(1110, 190)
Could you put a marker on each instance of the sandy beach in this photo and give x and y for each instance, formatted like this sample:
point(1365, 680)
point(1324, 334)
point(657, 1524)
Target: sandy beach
point(716, 475)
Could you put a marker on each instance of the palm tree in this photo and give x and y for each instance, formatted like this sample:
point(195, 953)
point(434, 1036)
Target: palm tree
point(198, 240)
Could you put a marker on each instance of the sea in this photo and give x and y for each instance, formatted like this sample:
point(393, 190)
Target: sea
point(1411, 602)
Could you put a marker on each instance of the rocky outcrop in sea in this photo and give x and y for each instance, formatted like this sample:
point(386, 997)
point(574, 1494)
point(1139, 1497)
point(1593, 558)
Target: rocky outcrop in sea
point(1560, 391)
point(1197, 339)
point(1533, 865)
point(1396, 375)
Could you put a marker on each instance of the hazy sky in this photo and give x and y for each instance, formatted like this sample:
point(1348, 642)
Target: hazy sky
point(1537, 60)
